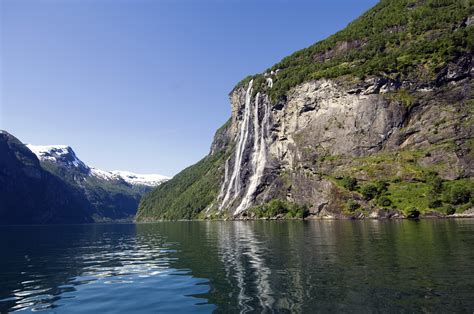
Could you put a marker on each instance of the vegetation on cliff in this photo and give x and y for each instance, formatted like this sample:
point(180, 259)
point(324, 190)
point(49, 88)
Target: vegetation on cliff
point(278, 208)
point(405, 39)
point(398, 182)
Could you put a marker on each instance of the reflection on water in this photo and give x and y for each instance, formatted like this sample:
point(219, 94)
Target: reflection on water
point(93, 268)
point(293, 266)
point(243, 258)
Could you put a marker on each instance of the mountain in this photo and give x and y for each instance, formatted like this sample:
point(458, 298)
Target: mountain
point(374, 121)
point(31, 195)
point(113, 195)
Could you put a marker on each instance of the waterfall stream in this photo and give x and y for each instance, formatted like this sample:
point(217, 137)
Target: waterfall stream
point(259, 156)
point(232, 186)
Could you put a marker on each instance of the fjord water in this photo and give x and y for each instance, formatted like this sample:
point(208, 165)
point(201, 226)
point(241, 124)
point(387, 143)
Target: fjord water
point(262, 266)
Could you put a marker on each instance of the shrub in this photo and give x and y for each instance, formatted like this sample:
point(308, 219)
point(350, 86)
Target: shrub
point(382, 187)
point(276, 207)
point(450, 209)
point(437, 185)
point(349, 183)
point(413, 213)
point(384, 201)
point(458, 195)
point(296, 211)
point(369, 191)
point(352, 205)
point(435, 203)
point(435, 182)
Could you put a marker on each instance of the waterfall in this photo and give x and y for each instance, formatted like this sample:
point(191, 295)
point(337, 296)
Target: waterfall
point(226, 178)
point(231, 188)
point(233, 185)
point(259, 156)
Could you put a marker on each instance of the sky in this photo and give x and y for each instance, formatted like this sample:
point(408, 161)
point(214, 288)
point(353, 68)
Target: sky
point(142, 85)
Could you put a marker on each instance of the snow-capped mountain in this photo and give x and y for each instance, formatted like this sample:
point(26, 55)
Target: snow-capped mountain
point(113, 195)
point(65, 156)
point(141, 179)
point(130, 177)
point(58, 153)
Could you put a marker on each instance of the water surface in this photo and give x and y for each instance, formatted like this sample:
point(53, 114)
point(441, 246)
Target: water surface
point(291, 266)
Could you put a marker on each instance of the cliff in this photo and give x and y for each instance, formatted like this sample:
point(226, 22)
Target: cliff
point(375, 121)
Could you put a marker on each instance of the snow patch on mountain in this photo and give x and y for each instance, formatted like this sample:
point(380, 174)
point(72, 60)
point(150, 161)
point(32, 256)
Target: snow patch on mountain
point(45, 151)
point(105, 175)
point(57, 153)
point(141, 179)
point(65, 155)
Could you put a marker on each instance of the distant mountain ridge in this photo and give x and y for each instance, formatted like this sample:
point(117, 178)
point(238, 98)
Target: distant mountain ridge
point(50, 184)
point(31, 195)
point(65, 156)
point(114, 195)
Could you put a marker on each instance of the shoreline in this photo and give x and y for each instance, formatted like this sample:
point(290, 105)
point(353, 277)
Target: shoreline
point(322, 218)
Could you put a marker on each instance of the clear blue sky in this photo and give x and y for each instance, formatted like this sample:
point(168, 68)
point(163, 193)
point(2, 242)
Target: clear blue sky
point(142, 85)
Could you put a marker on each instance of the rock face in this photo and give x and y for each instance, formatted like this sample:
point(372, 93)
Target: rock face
point(282, 150)
point(375, 121)
point(113, 195)
point(31, 195)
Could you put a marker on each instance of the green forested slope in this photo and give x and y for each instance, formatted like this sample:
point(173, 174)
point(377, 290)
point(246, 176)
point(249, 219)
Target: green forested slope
point(190, 191)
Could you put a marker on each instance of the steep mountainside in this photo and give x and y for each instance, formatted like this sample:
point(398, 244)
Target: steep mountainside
point(31, 195)
point(375, 121)
point(113, 195)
